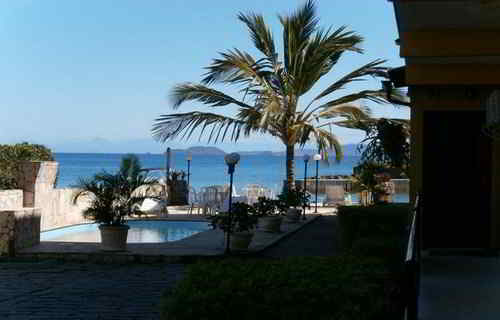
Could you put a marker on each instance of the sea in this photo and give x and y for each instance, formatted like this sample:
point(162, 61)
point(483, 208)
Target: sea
point(205, 170)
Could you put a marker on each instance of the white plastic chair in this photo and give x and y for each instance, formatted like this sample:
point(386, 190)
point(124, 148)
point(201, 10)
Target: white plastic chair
point(194, 201)
point(334, 196)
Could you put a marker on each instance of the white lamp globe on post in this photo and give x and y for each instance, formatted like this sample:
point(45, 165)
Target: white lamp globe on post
point(231, 161)
point(317, 158)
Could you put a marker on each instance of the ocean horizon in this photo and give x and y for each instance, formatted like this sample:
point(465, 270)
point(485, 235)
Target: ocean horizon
point(266, 170)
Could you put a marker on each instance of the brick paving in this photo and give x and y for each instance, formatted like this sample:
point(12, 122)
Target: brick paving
point(58, 290)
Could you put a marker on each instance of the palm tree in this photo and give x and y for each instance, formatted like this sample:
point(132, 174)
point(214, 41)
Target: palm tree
point(271, 88)
point(114, 196)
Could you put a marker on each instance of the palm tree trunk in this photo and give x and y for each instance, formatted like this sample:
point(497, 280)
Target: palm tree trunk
point(290, 170)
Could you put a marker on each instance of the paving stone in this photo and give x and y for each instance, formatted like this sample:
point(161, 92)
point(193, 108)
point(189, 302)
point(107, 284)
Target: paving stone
point(59, 290)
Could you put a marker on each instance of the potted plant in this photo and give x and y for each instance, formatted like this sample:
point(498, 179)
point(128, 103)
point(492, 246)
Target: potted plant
point(270, 217)
point(177, 188)
point(240, 224)
point(364, 181)
point(383, 189)
point(113, 197)
point(290, 202)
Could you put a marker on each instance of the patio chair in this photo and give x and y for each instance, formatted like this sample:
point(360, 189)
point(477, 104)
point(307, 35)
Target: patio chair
point(253, 192)
point(335, 196)
point(194, 201)
point(210, 199)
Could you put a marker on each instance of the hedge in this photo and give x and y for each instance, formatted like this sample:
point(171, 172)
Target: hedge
point(343, 287)
point(12, 155)
point(385, 224)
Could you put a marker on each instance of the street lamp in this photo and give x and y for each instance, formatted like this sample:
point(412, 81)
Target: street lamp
point(168, 156)
point(317, 158)
point(189, 157)
point(306, 160)
point(231, 161)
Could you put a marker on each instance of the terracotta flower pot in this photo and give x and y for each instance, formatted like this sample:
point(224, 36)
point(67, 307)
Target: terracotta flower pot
point(240, 241)
point(293, 215)
point(114, 238)
point(270, 224)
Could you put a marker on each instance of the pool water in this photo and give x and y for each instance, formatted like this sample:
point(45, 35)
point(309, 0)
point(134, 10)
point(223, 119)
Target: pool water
point(139, 232)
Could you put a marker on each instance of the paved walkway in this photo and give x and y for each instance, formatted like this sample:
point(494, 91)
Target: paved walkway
point(460, 287)
point(315, 239)
point(52, 290)
point(63, 290)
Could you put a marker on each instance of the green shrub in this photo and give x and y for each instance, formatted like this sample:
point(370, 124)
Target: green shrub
point(378, 221)
point(12, 155)
point(342, 287)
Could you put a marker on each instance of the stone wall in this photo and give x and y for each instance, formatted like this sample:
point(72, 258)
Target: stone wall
point(11, 199)
point(57, 209)
point(19, 229)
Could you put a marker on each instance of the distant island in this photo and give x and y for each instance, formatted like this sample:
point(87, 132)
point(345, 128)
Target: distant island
point(211, 151)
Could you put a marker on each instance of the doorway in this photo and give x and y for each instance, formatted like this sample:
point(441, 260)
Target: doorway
point(456, 180)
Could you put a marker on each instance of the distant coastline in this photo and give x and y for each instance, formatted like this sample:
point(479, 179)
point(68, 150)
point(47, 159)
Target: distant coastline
point(349, 150)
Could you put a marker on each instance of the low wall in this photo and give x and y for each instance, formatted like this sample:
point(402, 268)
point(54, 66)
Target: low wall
point(11, 199)
point(58, 209)
point(19, 229)
point(37, 179)
point(401, 185)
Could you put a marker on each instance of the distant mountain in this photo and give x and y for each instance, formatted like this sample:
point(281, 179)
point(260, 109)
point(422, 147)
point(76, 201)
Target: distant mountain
point(211, 151)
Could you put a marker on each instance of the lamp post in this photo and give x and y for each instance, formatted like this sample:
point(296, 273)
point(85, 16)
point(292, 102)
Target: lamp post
point(189, 157)
point(317, 158)
point(231, 161)
point(306, 160)
point(167, 173)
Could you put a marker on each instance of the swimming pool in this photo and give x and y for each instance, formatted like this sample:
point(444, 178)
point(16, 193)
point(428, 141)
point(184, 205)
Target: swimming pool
point(139, 232)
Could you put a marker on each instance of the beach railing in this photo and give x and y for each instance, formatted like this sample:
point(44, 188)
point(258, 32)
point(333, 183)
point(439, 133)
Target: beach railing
point(412, 263)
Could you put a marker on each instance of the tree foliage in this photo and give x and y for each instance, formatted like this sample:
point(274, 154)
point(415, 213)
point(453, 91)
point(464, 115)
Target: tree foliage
point(11, 157)
point(387, 142)
point(272, 85)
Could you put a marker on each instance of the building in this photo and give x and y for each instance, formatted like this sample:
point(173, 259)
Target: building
point(452, 54)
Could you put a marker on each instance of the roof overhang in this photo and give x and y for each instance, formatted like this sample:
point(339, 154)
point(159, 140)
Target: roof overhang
point(441, 38)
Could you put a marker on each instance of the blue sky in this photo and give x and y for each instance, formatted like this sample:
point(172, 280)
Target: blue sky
point(91, 76)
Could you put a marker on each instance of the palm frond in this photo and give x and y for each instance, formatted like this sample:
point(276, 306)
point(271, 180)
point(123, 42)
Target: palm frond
point(297, 29)
point(261, 35)
point(322, 53)
point(367, 124)
point(399, 97)
point(237, 67)
point(346, 110)
point(377, 96)
point(190, 91)
point(325, 140)
point(369, 69)
point(183, 125)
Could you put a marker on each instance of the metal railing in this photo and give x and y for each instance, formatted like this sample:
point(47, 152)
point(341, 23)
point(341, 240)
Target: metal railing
point(412, 263)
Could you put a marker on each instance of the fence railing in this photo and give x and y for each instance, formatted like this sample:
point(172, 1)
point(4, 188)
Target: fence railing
point(412, 263)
